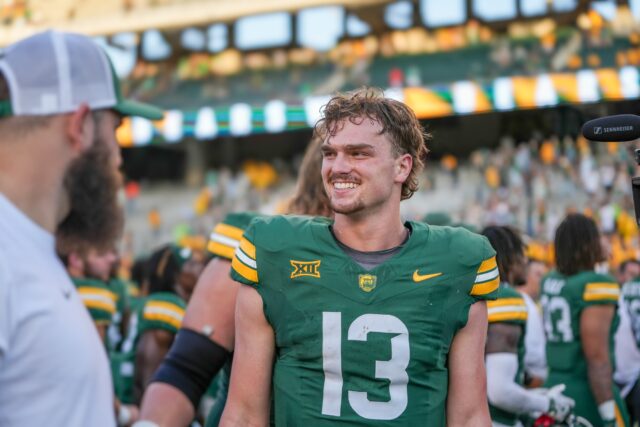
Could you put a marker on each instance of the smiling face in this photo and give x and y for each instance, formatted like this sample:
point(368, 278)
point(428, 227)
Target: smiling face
point(359, 169)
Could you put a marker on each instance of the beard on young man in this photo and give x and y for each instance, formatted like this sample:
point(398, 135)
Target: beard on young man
point(96, 217)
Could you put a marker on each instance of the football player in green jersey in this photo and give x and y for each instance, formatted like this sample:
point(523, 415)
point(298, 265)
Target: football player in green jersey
point(365, 319)
point(160, 315)
point(118, 328)
point(579, 310)
point(505, 348)
point(203, 345)
point(89, 269)
point(153, 326)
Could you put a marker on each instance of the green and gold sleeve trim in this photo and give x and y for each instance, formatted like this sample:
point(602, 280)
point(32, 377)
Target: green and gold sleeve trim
point(601, 292)
point(487, 278)
point(162, 311)
point(244, 261)
point(98, 299)
point(507, 310)
point(224, 240)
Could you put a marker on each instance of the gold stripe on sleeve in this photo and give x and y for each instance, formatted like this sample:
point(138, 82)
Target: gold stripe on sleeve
point(508, 315)
point(247, 272)
point(164, 318)
point(248, 248)
point(88, 291)
point(99, 305)
point(613, 287)
point(230, 231)
point(485, 288)
point(221, 250)
point(506, 301)
point(487, 265)
point(600, 297)
point(162, 305)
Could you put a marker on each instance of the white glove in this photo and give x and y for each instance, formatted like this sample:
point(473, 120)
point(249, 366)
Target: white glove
point(560, 406)
point(607, 412)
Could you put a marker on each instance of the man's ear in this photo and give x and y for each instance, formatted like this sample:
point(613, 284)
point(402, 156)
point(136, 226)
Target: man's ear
point(404, 163)
point(80, 128)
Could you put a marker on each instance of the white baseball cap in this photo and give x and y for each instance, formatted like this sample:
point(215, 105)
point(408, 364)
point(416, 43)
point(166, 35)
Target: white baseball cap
point(55, 72)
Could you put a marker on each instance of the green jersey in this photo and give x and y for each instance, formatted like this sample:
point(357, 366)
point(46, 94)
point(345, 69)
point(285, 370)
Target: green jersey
point(631, 299)
point(114, 333)
point(223, 241)
point(563, 299)
point(356, 346)
point(162, 310)
point(509, 308)
point(99, 299)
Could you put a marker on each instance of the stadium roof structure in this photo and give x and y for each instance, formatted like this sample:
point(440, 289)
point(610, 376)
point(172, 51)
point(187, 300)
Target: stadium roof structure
point(21, 18)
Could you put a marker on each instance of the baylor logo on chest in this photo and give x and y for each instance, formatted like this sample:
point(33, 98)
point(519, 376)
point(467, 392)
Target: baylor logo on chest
point(305, 268)
point(367, 282)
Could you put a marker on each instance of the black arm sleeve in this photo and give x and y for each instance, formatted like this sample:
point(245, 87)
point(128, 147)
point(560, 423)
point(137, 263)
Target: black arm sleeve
point(191, 364)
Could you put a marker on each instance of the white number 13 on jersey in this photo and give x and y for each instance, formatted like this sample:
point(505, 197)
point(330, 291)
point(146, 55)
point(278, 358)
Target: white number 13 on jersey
point(394, 369)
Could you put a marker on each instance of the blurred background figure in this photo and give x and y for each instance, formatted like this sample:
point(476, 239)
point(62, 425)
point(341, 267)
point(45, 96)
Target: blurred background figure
point(90, 271)
point(172, 273)
point(506, 347)
point(581, 321)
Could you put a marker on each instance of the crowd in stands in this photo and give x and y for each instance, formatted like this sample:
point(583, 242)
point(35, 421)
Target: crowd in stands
point(401, 58)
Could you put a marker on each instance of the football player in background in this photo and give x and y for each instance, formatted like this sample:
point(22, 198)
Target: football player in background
point(89, 269)
point(368, 319)
point(204, 344)
point(579, 308)
point(505, 348)
point(154, 323)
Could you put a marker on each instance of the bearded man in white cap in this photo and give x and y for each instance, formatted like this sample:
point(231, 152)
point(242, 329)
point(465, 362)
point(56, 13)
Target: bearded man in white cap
point(60, 106)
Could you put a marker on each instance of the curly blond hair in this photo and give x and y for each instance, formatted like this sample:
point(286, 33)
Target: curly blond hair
point(397, 120)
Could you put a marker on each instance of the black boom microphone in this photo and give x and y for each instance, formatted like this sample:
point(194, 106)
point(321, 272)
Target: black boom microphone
point(620, 128)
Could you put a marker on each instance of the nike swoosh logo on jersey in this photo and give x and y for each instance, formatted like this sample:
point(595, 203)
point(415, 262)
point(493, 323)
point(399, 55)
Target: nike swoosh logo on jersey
point(422, 277)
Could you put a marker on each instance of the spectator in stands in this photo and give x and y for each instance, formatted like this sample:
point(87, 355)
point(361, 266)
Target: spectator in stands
point(60, 106)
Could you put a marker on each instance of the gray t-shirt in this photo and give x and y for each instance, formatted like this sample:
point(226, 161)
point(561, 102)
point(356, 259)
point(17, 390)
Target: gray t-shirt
point(369, 260)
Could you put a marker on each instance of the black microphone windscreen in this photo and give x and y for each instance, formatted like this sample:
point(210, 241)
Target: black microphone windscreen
point(623, 127)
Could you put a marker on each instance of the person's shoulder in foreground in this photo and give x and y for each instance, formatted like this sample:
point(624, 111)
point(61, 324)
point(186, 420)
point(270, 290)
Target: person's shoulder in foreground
point(60, 104)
